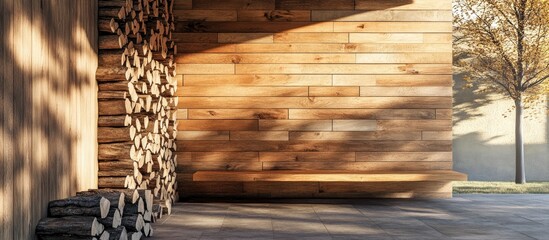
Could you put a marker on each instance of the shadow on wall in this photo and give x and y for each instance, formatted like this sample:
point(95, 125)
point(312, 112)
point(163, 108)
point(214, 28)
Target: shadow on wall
point(483, 144)
point(47, 99)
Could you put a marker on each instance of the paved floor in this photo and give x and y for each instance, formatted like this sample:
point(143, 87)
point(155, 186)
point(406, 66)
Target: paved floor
point(463, 217)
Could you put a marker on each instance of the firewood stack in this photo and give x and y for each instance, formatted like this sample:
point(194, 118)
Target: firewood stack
point(137, 107)
point(100, 214)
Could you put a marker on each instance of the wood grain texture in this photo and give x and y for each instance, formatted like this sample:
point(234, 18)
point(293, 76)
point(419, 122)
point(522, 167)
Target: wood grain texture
point(238, 114)
point(329, 176)
point(48, 124)
point(350, 85)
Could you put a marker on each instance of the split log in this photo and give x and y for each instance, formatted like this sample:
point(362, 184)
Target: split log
point(107, 25)
point(114, 220)
point(135, 209)
point(113, 135)
point(100, 204)
point(116, 198)
point(112, 41)
point(83, 226)
point(130, 196)
point(133, 222)
point(135, 235)
point(147, 230)
point(118, 233)
point(111, 182)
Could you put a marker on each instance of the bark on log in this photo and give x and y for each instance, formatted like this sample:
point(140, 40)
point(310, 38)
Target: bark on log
point(135, 209)
point(114, 220)
point(84, 226)
point(99, 202)
point(133, 222)
point(116, 198)
point(118, 233)
point(112, 182)
point(113, 135)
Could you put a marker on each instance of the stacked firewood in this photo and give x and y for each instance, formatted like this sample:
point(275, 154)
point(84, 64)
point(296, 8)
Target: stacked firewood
point(100, 214)
point(137, 107)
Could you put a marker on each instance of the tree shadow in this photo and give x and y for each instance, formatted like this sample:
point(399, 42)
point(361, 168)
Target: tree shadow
point(49, 57)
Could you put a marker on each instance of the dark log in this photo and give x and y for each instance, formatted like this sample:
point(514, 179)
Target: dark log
point(99, 202)
point(113, 135)
point(113, 221)
point(76, 225)
point(133, 222)
point(130, 195)
point(112, 41)
point(135, 209)
point(107, 25)
point(118, 233)
point(114, 121)
point(112, 12)
point(116, 198)
point(112, 182)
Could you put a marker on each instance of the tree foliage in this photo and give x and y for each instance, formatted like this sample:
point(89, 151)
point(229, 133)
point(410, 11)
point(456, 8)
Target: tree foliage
point(505, 44)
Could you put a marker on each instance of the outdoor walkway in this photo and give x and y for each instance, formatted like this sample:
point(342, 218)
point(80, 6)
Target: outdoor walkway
point(463, 217)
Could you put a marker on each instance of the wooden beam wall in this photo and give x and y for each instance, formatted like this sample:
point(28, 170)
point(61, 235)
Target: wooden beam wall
point(311, 85)
point(48, 99)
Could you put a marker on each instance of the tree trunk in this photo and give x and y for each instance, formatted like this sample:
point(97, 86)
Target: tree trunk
point(520, 175)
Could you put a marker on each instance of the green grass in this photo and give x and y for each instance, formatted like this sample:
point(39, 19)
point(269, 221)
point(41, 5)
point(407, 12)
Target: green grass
point(501, 187)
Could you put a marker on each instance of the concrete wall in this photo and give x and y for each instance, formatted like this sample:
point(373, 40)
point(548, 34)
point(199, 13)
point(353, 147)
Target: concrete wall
point(484, 139)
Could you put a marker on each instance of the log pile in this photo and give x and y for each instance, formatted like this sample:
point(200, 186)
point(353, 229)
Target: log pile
point(100, 214)
point(137, 107)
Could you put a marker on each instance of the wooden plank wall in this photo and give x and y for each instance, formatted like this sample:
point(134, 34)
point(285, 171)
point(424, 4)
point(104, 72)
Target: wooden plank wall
point(49, 107)
point(332, 84)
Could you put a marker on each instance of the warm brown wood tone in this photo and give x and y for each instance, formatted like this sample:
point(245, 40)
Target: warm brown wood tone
point(136, 104)
point(287, 85)
point(329, 176)
point(48, 105)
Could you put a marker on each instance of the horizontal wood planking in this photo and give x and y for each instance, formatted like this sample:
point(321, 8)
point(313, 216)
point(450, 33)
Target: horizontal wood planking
point(362, 114)
point(260, 135)
point(382, 16)
point(404, 156)
point(344, 84)
point(224, 156)
point(238, 114)
point(258, 80)
point(328, 68)
point(203, 135)
point(400, 37)
point(274, 15)
point(356, 135)
point(406, 91)
point(311, 38)
point(233, 4)
point(205, 15)
point(403, 4)
point(393, 27)
point(306, 156)
point(354, 125)
point(245, 38)
point(357, 166)
point(334, 91)
point(315, 4)
point(206, 58)
point(194, 38)
point(308, 146)
point(444, 113)
point(295, 125)
point(258, 27)
point(436, 135)
point(242, 91)
point(217, 125)
point(316, 102)
point(404, 58)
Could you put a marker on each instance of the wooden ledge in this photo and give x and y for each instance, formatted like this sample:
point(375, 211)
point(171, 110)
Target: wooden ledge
point(328, 176)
